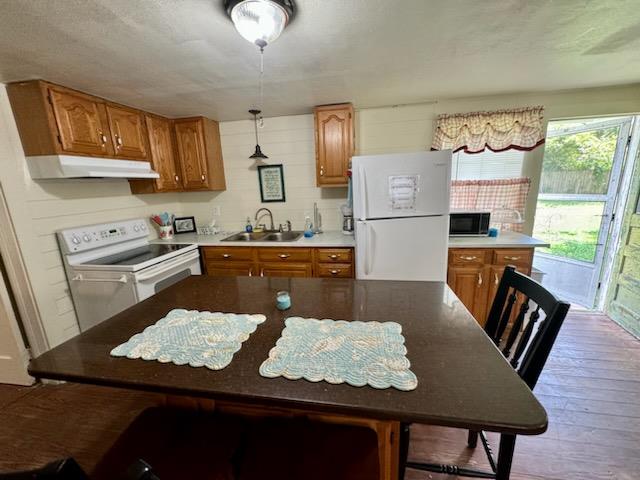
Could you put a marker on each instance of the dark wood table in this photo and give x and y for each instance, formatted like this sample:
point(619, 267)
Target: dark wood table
point(463, 381)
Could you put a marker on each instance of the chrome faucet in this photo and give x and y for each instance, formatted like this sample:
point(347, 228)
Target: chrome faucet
point(281, 228)
point(272, 228)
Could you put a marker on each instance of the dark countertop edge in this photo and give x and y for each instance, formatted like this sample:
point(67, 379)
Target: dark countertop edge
point(536, 429)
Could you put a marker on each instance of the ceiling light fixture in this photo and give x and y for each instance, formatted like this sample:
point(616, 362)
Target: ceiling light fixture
point(260, 21)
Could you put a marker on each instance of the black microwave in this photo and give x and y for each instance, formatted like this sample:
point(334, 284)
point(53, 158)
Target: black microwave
point(469, 223)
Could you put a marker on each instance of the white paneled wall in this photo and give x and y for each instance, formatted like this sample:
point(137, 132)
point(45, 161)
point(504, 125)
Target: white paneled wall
point(286, 140)
point(38, 209)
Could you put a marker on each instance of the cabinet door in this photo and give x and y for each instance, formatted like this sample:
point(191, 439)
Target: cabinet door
point(162, 158)
point(128, 132)
point(81, 122)
point(191, 153)
point(469, 283)
point(334, 144)
point(285, 270)
point(230, 269)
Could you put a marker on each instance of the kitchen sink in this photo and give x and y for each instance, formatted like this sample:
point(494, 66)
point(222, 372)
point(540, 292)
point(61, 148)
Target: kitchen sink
point(263, 237)
point(282, 237)
point(244, 237)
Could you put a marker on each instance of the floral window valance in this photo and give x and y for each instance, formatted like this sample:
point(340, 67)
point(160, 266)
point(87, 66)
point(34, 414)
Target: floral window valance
point(519, 129)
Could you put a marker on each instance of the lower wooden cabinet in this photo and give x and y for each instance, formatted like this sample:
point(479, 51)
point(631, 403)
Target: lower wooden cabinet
point(468, 284)
point(474, 275)
point(278, 261)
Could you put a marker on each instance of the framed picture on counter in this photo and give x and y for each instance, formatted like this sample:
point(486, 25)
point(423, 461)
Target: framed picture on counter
point(271, 178)
point(184, 225)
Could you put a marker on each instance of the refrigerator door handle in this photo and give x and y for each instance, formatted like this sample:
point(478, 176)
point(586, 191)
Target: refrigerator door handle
point(370, 246)
point(363, 192)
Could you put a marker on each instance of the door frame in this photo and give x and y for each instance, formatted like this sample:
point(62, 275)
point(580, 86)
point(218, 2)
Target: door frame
point(610, 217)
point(19, 283)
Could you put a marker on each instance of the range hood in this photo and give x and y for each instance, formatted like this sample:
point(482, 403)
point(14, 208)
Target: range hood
point(72, 166)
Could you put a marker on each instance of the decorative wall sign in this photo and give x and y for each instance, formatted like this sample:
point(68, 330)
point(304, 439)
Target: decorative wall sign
point(184, 225)
point(271, 178)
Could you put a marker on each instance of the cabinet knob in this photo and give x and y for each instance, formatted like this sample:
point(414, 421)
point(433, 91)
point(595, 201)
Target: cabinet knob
point(177, 178)
point(496, 280)
point(103, 138)
point(226, 255)
point(321, 170)
point(335, 272)
point(118, 141)
point(479, 279)
point(469, 258)
point(513, 259)
point(202, 177)
point(334, 256)
point(284, 255)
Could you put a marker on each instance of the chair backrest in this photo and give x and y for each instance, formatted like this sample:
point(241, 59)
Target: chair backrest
point(527, 341)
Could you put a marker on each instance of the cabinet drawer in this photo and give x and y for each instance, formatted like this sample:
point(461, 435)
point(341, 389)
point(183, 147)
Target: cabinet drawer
point(230, 269)
point(228, 253)
point(276, 254)
point(338, 255)
point(340, 270)
point(467, 256)
point(512, 257)
point(280, 269)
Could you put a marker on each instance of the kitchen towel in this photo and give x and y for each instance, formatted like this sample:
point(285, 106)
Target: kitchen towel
point(191, 337)
point(358, 353)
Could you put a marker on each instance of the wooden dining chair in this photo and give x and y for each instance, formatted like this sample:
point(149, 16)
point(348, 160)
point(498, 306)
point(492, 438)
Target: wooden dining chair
point(525, 343)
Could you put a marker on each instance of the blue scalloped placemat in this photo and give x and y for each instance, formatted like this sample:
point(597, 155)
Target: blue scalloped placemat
point(191, 337)
point(336, 351)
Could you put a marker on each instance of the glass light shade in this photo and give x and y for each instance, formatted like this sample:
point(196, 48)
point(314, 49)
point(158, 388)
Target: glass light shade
point(259, 21)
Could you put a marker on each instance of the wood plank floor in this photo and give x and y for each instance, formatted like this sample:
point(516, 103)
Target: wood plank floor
point(590, 388)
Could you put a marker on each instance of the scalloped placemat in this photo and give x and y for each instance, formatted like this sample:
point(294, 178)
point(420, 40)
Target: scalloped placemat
point(336, 351)
point(191, 337)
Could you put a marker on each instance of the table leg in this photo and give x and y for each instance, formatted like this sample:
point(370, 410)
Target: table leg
point(405, 436)
point(505, 456)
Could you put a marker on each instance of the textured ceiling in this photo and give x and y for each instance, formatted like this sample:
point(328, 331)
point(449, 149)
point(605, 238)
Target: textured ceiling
point(183, 57)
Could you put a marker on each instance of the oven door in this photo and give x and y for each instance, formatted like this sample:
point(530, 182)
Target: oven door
point(164, 274)
point(98, 295)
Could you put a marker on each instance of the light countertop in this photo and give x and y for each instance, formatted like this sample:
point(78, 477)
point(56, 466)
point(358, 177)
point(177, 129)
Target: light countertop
point(327, 239)
point(337, 239)
point(503, 240)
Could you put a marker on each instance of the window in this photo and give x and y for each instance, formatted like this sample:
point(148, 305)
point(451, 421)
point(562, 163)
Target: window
point(493, 182)
point(487, 165)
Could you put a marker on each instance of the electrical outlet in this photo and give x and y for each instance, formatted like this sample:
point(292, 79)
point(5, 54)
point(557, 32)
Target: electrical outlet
point(216, 210)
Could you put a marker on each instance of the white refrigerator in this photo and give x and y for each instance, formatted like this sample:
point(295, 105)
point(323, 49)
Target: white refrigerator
point(401, 212)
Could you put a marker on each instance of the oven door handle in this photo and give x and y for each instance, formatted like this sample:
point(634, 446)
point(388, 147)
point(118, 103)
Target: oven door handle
point(168, 266)
point(80, 278)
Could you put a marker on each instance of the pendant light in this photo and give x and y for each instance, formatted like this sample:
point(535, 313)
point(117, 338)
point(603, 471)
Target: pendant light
point(258, 156)
point(260, 21)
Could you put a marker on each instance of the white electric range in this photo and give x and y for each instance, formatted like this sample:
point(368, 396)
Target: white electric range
point(112, 266)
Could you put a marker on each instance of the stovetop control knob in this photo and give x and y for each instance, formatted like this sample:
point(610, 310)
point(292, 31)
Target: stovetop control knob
point(75, 239)
point(86, 238)
point(136, 228)
point(143, 227)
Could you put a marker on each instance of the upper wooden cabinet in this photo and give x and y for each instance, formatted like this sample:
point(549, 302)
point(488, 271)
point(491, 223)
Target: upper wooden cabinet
point(334, 143)
point(162, 157)
point(81, 122)
point(56, 120)
point(128, 131)
point(199, 153)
